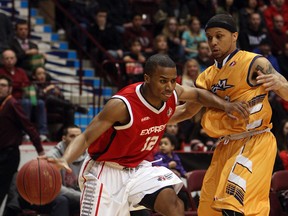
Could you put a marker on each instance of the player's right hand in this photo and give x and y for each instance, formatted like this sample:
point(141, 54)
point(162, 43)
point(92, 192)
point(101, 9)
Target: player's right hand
point(61, 163)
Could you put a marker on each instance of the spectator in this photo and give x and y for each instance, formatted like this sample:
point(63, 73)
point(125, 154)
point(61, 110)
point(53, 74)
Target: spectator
point(27, 52)
point(203, 56)
point(82, 12)
point(176, 131)
point(119, 13)
point(172, 32)
point(53, 97)
point(106, 35)
point(250, 7)
point(18, 75)
point(192, 37)
point(228, 7)
point(68, 200)
point(6, 31)
point(283, 61)
point(282, 142)
point(197, 8)
point(278, 35)
point(171, 8)
point(160, 45)
point(196, 136)
point(264, 48)
point(191, 70)
point(27, 99)
point(250, 37)
point(282, 135)
point(168, 158)
point(138, 31)
point(12, 123)
point(276, 7)
point(134, 62)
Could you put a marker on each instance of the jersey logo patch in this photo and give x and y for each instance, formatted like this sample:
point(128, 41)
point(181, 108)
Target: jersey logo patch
point(232, 64)
point(145, 119)
point(222, 85)
point(165, 177)
point(169, 112)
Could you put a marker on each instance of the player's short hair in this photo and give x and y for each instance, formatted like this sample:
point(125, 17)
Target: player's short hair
point(158, 60)
point(225, 21)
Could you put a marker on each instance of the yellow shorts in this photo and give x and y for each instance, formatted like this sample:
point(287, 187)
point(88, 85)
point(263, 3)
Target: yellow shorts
point(239, 177)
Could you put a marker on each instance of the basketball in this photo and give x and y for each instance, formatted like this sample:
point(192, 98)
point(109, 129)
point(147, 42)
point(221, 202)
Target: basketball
point(38, 182)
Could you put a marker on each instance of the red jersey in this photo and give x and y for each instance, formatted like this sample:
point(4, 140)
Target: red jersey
point(130, 144)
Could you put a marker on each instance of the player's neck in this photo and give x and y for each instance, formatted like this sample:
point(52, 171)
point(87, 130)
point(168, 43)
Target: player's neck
point(155, 102)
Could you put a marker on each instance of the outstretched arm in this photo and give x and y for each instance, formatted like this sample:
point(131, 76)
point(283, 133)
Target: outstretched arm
point(102, 122)
point(208, 99)
point(184, 112)
point(271, 79)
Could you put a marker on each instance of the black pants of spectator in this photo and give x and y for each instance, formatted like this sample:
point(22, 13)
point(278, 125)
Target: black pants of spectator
point(9, 162)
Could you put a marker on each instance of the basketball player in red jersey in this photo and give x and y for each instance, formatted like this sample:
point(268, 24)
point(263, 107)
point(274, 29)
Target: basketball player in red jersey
point(115, 176)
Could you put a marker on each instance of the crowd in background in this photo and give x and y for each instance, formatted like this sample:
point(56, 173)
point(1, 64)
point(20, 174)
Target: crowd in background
point(130, 34)
point(174, 27)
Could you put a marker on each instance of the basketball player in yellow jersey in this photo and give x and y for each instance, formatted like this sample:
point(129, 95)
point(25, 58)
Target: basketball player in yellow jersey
point(238, 180)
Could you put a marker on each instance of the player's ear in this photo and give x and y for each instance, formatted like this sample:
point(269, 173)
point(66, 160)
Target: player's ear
point(235, 36)
point(146, 78)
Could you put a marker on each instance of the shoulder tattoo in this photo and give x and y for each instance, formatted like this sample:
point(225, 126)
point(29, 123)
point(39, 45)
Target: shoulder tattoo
point(267, 69)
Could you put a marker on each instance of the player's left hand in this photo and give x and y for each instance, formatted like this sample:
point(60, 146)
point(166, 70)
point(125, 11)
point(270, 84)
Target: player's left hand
point(240, 108)
point(271, 82)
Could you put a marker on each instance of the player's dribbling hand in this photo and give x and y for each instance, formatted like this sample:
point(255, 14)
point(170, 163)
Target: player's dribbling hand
point(60, 163)
point(234, 109)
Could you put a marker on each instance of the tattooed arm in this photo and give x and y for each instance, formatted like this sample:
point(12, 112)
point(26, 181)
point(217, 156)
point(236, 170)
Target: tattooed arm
point(263, 73)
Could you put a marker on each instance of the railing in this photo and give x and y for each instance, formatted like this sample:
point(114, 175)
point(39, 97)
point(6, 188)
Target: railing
point(71, 38)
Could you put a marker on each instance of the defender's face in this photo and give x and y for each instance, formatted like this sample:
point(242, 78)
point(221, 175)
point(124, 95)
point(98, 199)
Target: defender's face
point(162, 83)
point(221, 42)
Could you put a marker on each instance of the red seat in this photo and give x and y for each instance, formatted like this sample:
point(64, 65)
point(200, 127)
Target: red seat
point(194, 184)
point(279, 182)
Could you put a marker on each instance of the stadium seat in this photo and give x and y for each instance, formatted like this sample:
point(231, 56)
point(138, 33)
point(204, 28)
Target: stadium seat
point(194, 184)
point(279, 183)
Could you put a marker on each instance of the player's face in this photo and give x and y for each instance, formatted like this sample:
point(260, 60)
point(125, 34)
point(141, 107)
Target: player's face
point(166, 146)
point(221, 42)
point(163, 82)
point(72, 133)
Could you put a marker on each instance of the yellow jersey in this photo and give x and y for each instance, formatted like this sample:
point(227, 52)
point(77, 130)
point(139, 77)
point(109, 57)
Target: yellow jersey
point(231, 83)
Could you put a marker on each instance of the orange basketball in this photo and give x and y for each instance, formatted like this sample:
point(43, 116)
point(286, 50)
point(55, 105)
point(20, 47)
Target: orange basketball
point(39, 182)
